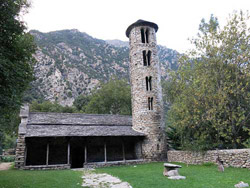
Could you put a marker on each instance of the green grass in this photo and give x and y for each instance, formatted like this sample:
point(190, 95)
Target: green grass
point(141, 176)
point(40, 179)
point(197, 176)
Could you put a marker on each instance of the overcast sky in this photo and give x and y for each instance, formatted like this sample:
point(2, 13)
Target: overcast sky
point(178, 20)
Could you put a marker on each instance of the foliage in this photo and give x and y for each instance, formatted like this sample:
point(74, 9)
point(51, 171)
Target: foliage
point(113, 97)
point(16, 48)
point(40, 178)
point(209, 94)
point(81, 102)
point(9, 141)
point(48, 106)
point(173, 138)
point(247, 143)
point(7, 159)
point(150, 175)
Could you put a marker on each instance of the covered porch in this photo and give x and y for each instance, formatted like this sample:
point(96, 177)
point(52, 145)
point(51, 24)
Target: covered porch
point(81, 151)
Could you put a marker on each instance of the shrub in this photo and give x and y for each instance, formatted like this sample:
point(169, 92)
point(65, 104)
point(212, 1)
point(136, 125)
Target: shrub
point(7, 159)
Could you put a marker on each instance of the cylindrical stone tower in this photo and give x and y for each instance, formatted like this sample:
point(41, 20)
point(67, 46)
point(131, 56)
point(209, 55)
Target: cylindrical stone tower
point(145, 78)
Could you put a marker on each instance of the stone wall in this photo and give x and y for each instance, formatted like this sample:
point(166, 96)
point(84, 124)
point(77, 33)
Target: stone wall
point(20, 152)
point(236, 157)
point(145, 120)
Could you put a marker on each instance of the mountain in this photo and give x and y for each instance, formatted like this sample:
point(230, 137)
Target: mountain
point(118, 43)
point(71, 63)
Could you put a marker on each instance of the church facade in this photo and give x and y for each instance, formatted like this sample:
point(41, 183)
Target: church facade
point(57, 140)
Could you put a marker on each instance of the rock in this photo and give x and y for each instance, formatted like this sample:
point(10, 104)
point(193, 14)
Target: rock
point(177, 177)
point(169, 165)
point(172, 173)
point(241, 184)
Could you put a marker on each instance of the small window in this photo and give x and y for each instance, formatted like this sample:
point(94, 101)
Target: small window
point(150, 103)
point(147, 35)
point(144, 35)
point(146, 57)
point(149, 57)
point(148, 83)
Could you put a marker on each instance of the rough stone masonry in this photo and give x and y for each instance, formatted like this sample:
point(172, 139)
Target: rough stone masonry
point(145, 77)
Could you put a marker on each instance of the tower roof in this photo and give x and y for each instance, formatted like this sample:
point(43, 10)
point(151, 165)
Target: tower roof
point(141, 23)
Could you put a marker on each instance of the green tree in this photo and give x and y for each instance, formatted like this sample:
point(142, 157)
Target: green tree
point(113, 97)
point(16, 49)
point(81, 102)
point(209, 94)
point(48, 106)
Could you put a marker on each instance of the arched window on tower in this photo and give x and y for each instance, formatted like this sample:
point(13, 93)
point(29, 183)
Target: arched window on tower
point(144, 35)
point(149, 83)
point(150, 103)
point(146, 57)
point(149, 57)
point(147, 35)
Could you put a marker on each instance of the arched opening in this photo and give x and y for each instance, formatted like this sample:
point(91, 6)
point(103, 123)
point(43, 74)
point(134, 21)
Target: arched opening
point(144, 57)
point(142, 36)
point(149, 83)
point(150, 103)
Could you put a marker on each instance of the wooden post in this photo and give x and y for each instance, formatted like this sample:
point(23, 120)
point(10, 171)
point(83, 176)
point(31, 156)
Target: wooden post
point(142, 157)
point(85, 152)
point(25, 154)
point(123, 151)
point(47, 156)
point(68, 153)
point(105, 152)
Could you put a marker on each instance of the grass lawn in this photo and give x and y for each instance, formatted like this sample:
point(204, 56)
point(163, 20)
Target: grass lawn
point(40, 179)
point(141, 176)
point(197, 176)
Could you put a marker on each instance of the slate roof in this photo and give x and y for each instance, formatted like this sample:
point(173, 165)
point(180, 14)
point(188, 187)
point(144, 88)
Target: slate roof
point(141, 23)
point(66, 124)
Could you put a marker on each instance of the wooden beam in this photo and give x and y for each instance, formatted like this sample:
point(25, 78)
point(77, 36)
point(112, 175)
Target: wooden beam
point(142, 156)
point(105, 152)
point(68, 152)
point(85, 154)
point(123, 151)
point(47, 156)
point(25, 154)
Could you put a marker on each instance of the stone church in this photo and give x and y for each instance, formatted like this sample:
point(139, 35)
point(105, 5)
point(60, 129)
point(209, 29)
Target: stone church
point(62, 140)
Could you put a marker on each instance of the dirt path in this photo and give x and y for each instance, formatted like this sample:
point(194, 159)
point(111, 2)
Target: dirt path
point(92, 180)
point(5, 166)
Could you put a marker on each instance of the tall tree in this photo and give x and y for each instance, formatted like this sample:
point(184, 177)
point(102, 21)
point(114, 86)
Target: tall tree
point(16, 48)
point(113, 97)
point(209, 94)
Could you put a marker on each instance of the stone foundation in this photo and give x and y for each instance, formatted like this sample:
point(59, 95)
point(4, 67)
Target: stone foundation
point(49, 167)
point(114, 163)
point(239, 158)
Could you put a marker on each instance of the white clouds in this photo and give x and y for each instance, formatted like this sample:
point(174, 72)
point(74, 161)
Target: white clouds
point(108, 19)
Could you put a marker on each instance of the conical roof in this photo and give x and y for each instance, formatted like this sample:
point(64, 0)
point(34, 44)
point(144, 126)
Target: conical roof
point(141, 23)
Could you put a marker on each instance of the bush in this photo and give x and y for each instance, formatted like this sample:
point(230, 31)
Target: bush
point(7, 159)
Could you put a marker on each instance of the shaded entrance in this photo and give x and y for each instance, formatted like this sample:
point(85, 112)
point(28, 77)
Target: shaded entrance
point(77, 152)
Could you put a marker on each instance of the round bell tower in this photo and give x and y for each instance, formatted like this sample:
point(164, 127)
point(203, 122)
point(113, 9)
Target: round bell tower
point(146, 90)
